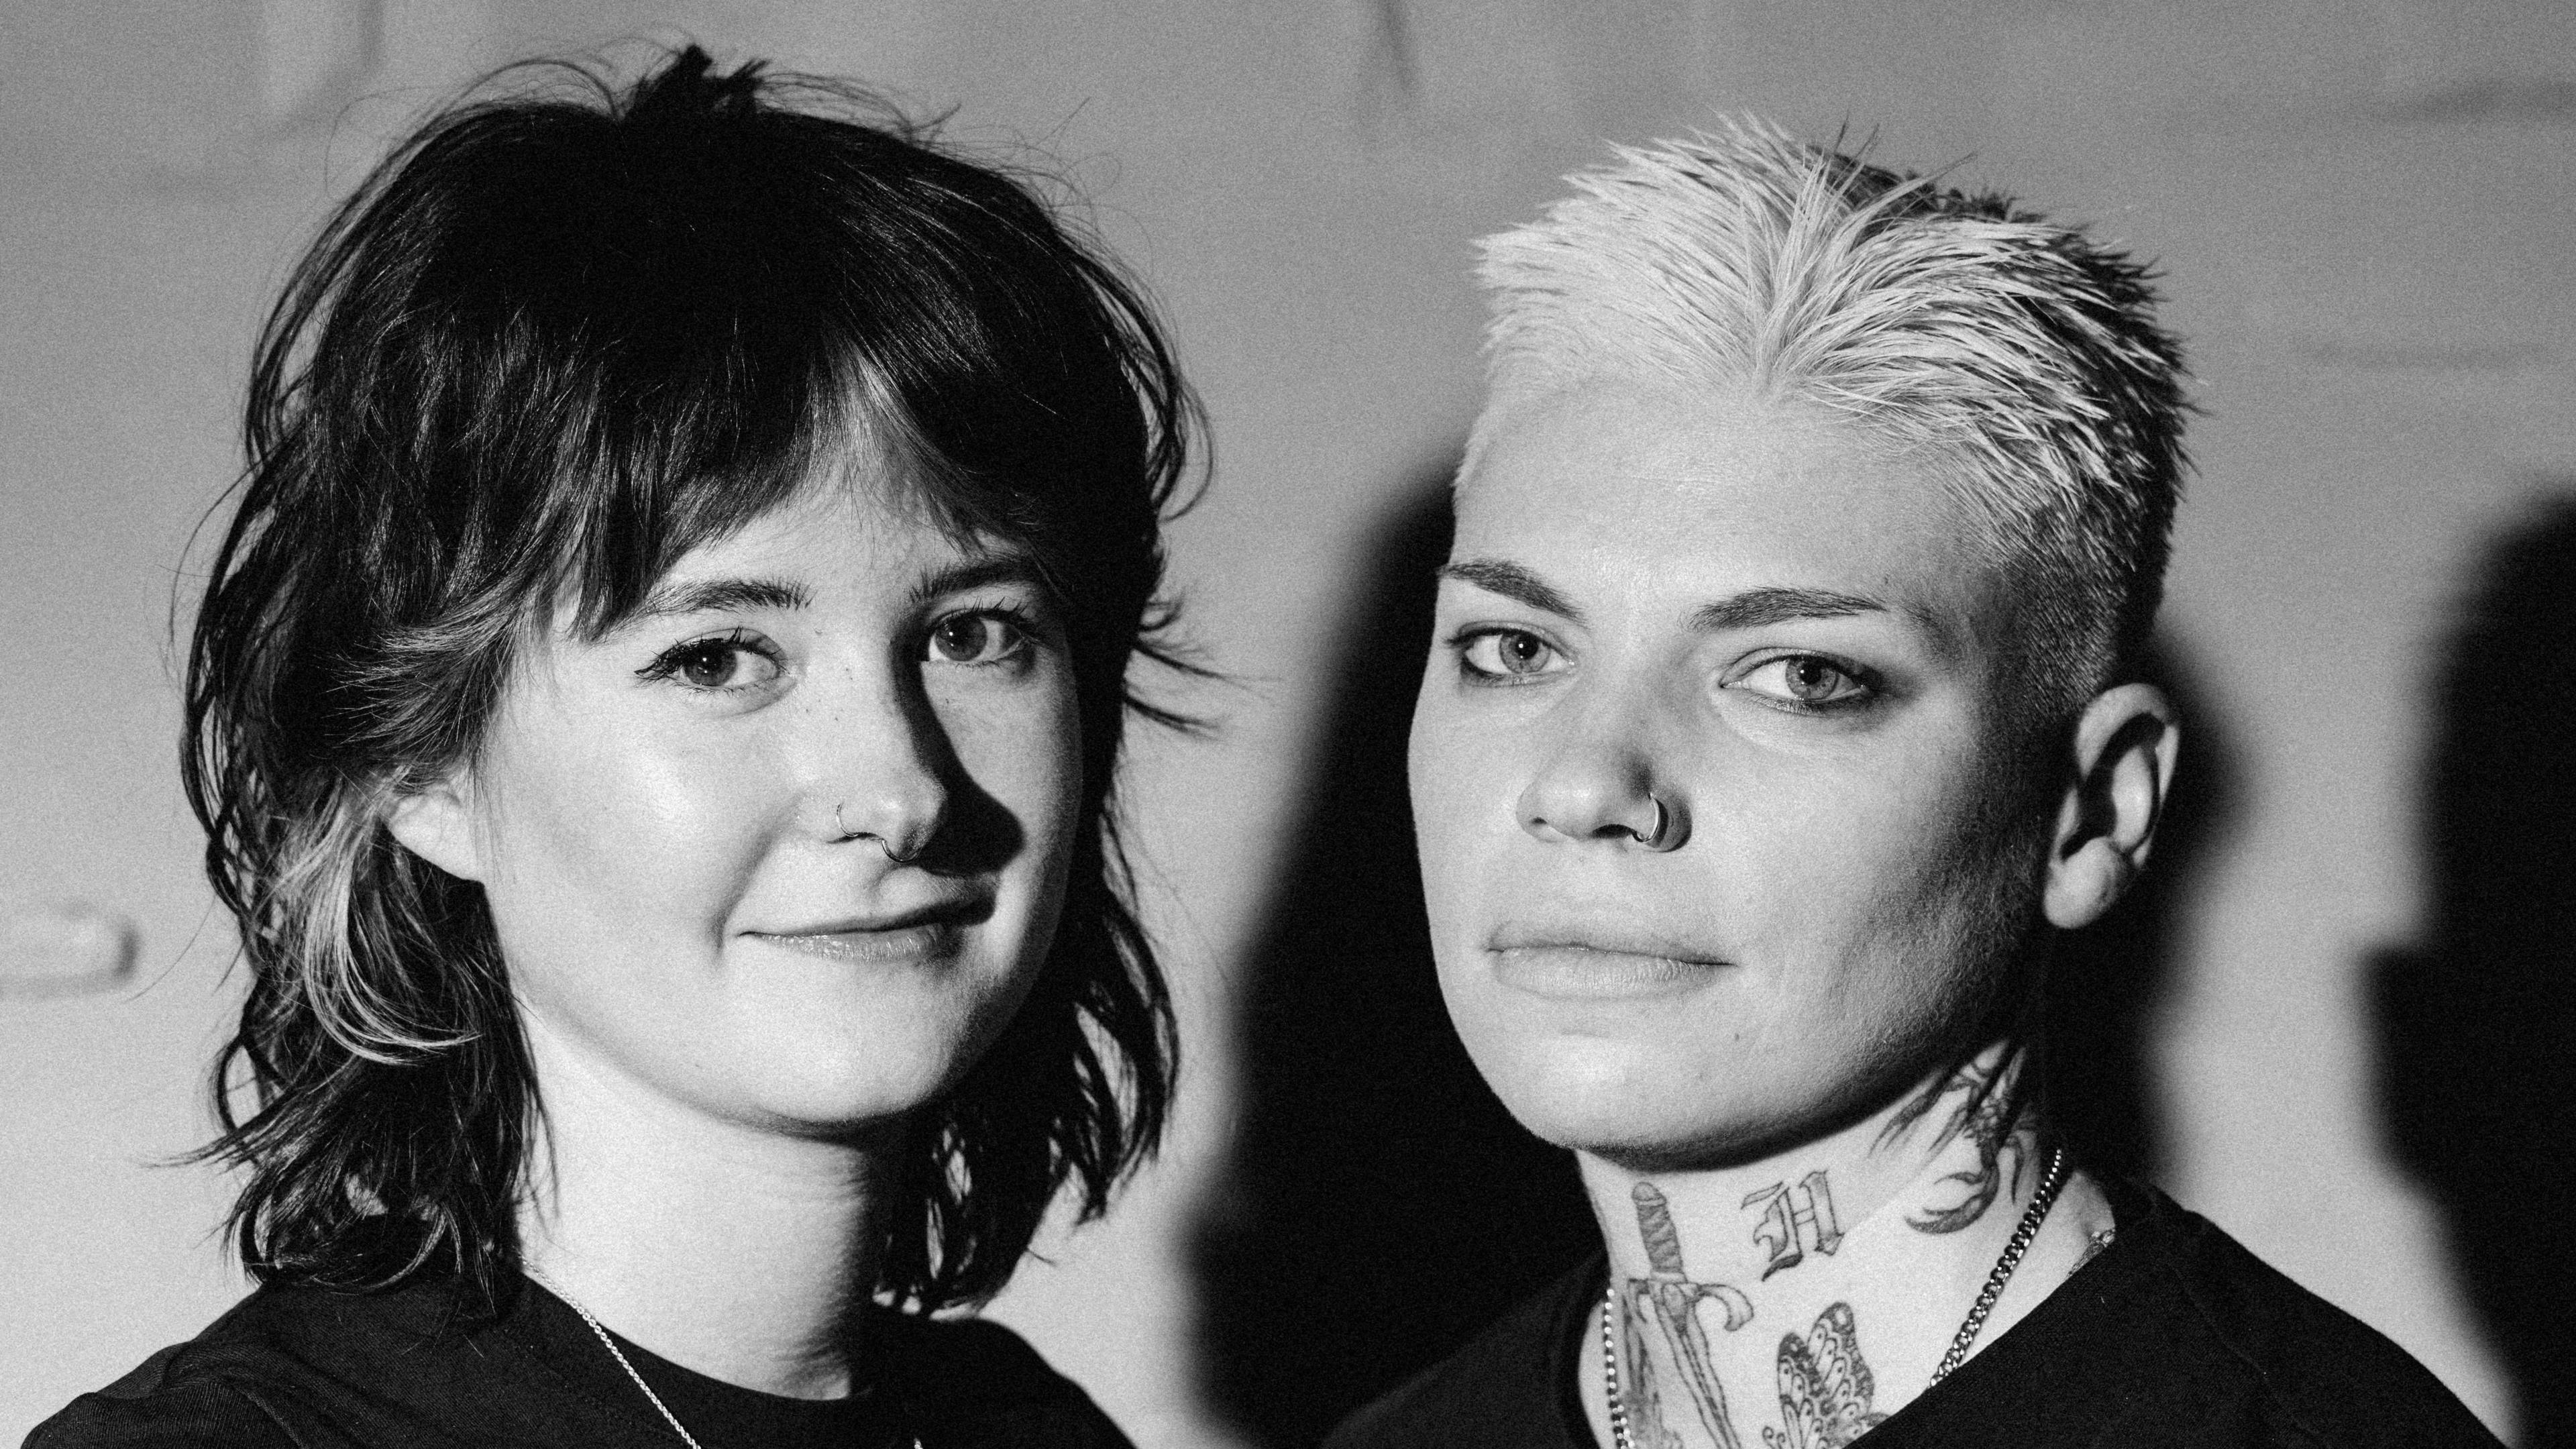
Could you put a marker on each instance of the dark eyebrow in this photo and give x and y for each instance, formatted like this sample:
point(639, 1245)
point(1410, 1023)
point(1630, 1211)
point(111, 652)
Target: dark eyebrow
point(976, 573)
point(719, 595)
point(1755, 608)
point(1513, 582)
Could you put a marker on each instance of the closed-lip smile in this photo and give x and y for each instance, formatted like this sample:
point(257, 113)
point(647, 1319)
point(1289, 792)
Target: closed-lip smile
point(924, 933)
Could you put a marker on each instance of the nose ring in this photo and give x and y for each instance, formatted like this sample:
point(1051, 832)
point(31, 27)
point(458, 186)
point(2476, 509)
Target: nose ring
point(1661, 835)
point(846, 833)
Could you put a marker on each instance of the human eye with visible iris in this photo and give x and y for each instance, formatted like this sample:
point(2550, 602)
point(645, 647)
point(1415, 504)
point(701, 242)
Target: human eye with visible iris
point(988, 636)
point(1808, 684)
point(1506, 656)
point(729, 663)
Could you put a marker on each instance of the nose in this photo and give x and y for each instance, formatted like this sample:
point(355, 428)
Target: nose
point(1599, 787)
point(887, 775)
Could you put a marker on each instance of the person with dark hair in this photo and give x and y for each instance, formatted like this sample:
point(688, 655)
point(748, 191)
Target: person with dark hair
point(654, 712)
point(1785, 704)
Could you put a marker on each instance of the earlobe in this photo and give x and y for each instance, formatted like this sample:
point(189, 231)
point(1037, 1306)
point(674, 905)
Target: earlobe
point(436, 824)
point(2126, 745)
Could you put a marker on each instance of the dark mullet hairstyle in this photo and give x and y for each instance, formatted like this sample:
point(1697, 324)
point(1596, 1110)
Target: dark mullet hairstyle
point(563, 335)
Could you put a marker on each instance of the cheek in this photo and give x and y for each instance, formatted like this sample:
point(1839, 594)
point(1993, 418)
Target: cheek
point(1453, 783)
point(1910, 892)
point(1855, 873)
point(599, 828)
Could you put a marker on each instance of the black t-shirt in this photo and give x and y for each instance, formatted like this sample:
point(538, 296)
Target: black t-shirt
point(320, 1370)
point(2172, 1336)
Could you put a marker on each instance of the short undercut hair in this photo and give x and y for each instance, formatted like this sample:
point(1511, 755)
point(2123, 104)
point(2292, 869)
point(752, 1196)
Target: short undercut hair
point(1747, 259)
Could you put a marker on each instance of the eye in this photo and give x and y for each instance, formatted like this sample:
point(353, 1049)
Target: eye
point(1507, 654)
point(726, 662)
point(1805, 681)
point(978, 637)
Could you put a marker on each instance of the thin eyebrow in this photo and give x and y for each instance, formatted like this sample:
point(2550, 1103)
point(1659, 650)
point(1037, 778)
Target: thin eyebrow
point(1755, 608)
point(721, 595)
point(1513, 582)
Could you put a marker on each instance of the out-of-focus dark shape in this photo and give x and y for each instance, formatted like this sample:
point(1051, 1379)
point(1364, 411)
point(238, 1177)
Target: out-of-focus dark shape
point(2110, 981)
point(1381, 1206)
point(63, 948)
point(2477, 1070)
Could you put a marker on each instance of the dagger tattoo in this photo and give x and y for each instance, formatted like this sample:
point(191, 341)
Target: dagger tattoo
point(1668, 1298)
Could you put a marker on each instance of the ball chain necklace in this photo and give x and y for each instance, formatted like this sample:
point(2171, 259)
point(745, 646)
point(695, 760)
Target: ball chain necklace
point(2049, 1183)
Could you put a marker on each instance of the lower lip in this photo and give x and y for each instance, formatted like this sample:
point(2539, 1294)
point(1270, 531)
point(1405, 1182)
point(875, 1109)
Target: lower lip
point(909, 945)
point(1575, 973)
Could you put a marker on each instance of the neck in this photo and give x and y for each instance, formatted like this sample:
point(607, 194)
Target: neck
point(1825, 1282)
point(744, 1255)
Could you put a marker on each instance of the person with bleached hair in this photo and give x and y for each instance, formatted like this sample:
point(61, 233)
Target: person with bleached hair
point(1784, 707)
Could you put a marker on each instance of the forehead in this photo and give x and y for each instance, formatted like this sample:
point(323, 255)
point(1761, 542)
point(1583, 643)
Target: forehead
point(1632, 489)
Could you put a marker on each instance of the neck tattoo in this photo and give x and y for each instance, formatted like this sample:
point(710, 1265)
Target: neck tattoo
point(2049, 1183)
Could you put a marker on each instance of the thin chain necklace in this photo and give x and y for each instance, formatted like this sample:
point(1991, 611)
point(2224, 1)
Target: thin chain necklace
point(2049, 1183)
point(605, 1341)
point(618, 1354)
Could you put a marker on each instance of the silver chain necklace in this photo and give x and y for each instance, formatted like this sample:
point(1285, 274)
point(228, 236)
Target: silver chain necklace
point(2049, 1183)
point(618, 1354)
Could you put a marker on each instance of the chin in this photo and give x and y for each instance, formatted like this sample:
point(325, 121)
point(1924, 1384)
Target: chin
point(1643, 1104)
point(1575, 1091)
point(823, 1083)
point(823, 1104)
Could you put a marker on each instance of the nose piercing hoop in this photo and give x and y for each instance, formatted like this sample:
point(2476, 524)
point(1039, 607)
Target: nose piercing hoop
point(1659, 836)
point(846, 833)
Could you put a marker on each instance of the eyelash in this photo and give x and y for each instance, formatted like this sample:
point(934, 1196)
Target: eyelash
point(1865, 688)
point(1017, 618)
point(666, 665)
point(1466, 640)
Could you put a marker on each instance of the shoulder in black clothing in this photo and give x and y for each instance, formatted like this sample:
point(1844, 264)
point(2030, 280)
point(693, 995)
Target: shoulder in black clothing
point(1511, 1387)
point(317, 1370)
point(2174, 1336)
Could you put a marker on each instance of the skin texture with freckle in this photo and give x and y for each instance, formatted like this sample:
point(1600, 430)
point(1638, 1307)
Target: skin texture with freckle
point(643, 839)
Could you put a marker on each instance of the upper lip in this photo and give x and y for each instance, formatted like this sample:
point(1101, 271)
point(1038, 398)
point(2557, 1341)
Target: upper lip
point(1610, 939)
point(963, 910)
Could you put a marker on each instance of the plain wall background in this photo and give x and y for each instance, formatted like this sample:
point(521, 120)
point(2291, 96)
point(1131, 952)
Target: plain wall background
point(2362, 205)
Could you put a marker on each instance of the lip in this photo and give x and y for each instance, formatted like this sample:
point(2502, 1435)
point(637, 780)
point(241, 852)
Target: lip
point(1598, 965)
point(930, 933)
point(903, 946)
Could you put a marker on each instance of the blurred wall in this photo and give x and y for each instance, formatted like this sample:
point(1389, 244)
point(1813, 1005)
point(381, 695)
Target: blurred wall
point(2362, 206)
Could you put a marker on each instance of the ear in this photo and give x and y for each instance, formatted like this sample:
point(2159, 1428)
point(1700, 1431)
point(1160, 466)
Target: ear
point(2125, 747)
point(436, 823)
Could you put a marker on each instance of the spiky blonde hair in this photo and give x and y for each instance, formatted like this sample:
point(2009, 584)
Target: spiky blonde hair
point(1745, 261)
